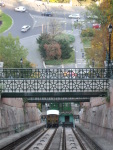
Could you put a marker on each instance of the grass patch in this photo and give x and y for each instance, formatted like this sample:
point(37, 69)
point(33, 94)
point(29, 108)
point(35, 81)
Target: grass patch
point(86, 42)
point(6, 22)
point(64, 61)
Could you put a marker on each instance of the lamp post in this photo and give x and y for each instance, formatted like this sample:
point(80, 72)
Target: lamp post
point(21, 63)
point(109, 56)
point(93, 62)
point(110, 31)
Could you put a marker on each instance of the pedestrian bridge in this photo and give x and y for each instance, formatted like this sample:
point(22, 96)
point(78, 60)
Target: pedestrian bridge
point(65, 82)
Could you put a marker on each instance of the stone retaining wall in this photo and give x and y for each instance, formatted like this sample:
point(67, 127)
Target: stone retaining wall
point(97, 115)
point(15, 116)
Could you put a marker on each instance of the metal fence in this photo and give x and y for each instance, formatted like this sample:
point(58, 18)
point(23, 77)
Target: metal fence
point(63, 73)
point(28, 82)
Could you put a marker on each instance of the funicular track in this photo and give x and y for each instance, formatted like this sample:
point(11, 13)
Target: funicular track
point(43, 142)
point(18, 144)
point(61, 138)
point(87, 140)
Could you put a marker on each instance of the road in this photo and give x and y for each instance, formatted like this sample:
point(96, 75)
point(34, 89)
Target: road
point(41, 24)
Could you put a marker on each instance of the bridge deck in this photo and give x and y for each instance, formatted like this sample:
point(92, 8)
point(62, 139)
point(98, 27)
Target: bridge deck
point(54, 82)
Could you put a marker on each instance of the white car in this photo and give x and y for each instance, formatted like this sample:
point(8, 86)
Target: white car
point(25, 28)
point(20, 8)
point(76, 16)
point(92, 17)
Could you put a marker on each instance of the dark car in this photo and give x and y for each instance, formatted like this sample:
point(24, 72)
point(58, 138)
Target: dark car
point(47, 14)
point(2, 4)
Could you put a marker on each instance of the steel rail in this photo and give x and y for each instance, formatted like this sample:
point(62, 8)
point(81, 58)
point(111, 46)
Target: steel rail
point(20, 141)
point(91, 144)
point(26, 147)
point(64, 140)
point(48, 144)
point(79, 140)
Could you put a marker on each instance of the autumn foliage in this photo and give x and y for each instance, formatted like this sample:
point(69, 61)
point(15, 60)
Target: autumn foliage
point(53, 51)
point(55, 48)
point(100, 40)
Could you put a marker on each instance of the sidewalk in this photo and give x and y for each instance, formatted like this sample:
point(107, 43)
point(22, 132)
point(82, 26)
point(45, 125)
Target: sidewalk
point(100, 141)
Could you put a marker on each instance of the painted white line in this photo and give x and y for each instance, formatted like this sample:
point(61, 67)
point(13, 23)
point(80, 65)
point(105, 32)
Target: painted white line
point(79, 59)
point(34, 24)
point(75, 65)
point(30, 36)
point(34, 21)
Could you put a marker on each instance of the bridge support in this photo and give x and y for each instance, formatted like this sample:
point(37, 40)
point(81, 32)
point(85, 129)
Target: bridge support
point(111, 92)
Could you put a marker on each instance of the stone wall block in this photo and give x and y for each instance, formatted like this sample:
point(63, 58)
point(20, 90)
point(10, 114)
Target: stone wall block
point(15, 102)
point(99, 120)
point(15, 116)
point(20, 116)
point(111, 92)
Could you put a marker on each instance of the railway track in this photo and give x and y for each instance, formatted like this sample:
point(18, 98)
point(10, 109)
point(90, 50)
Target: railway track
point(55, 139)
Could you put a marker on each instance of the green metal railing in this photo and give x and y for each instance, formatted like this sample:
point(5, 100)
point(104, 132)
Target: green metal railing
point(78, 73)
point(59, 82)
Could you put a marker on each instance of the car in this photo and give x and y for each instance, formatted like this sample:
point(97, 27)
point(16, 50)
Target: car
point(20, 8)
point(96, 26)
point(2, 4)
point(50, 14)
point(25, 28)
point(76, 16)
point(92, 17)
point(70, 74)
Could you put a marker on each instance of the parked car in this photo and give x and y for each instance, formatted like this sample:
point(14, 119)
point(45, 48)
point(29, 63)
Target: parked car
point(70, 73)
point(25, 28)
point(20, 9)
point(50, 14)
point(96, 26)
point(76, 16)
point(92, 17)
point(2, 4)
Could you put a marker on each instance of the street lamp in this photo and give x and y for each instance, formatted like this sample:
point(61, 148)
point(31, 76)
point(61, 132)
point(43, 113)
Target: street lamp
point(110, 31)
point(109, 56)
point(93, 62)
point(21, 62)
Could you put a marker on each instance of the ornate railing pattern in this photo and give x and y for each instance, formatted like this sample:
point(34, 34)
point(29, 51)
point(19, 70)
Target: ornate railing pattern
point(54, 85)
point(54, 80)
point(64, 73)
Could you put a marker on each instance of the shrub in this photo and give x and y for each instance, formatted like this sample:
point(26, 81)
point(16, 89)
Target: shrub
point(87, 33)
point(65, 48)
point(68, 37)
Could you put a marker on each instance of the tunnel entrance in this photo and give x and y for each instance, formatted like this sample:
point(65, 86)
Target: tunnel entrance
point(66, 118)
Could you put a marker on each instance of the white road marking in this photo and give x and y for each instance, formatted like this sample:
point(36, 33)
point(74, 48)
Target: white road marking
point(75, 65)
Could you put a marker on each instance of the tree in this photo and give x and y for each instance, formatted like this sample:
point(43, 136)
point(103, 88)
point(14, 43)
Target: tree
point(53, 51)
point(39, 106)
point(100, 42)
point(65, 49)
point(56, 47)
point(43, 37)
point(42, 40)
point(54, 28)
point(94, 10)
point(11, 52)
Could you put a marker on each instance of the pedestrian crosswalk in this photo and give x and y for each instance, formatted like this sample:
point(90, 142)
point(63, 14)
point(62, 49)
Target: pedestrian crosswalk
point(80, 63)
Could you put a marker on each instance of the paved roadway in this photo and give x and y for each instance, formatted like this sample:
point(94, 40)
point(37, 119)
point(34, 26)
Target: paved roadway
point(33, 17)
